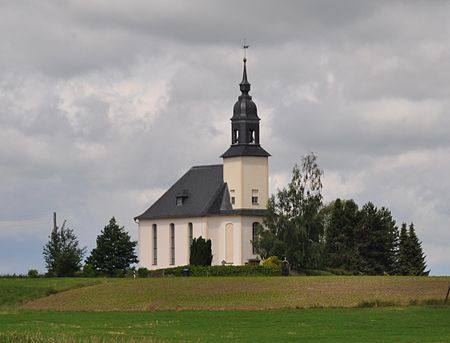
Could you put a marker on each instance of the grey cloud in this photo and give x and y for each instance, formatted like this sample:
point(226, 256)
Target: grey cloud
point(104, 104)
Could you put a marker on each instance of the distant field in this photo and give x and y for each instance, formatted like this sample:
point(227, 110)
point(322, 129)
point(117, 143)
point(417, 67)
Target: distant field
point(245, 293)
point(387, 324)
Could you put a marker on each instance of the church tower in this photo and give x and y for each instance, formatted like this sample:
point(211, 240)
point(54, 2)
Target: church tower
point(245, 163)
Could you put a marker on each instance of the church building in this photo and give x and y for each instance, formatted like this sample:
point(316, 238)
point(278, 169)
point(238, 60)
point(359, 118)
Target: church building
point(223, 202)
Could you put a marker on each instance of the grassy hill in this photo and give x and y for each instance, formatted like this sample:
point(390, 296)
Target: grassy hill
point(245, 293)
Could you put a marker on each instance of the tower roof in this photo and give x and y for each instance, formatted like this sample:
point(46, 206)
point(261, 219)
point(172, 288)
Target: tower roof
point(245, 124)
point(245, 108)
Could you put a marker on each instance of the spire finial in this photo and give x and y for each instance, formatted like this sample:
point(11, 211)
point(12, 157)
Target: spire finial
point(245, 85)
point(245, 46)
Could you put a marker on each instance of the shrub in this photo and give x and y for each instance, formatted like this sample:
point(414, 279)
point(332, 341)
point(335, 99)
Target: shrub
point(272, 261)
point(33, 273)
point(247, 270)
point(143, 272)
point(88, 270)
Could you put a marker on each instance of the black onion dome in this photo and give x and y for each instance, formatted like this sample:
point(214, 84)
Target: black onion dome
point(245, 107)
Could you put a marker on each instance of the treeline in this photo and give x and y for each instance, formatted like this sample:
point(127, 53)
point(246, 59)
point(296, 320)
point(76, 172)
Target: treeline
point(368, 241)
point(112, 256)
point(338, 235)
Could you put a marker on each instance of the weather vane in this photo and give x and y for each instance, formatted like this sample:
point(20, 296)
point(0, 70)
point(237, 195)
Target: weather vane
point(245, 46)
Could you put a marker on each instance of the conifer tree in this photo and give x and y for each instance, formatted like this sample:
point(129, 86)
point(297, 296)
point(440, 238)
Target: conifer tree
point(114, 252)
point(403, 257)
point(340, 245)
point(201, 252)
point(376, 240)
point(416, 255)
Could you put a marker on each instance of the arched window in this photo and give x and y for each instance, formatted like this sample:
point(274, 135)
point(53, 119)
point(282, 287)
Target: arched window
point(251, 136)
point(172, 244)
point(236, 136)
point(155, 244)
point(255, 226)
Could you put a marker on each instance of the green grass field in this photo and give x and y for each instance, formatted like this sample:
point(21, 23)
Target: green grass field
point(388, 324)
point(15, 291)
point(245, 309)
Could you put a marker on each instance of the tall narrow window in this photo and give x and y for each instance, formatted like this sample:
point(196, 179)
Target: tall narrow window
point(251, 136)
point(155, 244)
point(255, 200)
point(254, 236)
point(232, 197)
point(190, 235)
point(172, 244)
point(236, 137)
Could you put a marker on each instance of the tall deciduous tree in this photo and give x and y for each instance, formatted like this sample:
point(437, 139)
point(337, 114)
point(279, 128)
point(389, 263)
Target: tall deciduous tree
point(292, 227)
point(62, 254)
point(114, 252)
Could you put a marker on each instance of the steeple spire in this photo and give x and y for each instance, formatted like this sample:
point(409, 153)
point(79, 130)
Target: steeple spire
point(244, 85)
point(245, 123)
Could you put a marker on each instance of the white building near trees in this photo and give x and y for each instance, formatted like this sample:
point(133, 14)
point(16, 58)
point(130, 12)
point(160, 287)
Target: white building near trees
point(223, 203)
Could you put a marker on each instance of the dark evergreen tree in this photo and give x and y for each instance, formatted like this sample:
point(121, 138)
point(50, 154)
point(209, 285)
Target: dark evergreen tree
point(376, 237)
point(340, 223)
point(201, 252)
point(416, 255)
point(62, 254)
point(114, 252)
point(293, 228)
point(403, 258)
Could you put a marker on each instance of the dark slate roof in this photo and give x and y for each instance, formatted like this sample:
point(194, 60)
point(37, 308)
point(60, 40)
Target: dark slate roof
point(245, 150)
point(204, 193)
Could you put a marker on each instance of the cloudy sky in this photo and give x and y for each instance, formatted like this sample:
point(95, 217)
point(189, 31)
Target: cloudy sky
point(104, 104)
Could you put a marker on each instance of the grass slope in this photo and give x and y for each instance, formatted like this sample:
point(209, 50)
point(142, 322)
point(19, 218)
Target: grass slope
point(389, 324)
point(15, 291)
point(249, 293)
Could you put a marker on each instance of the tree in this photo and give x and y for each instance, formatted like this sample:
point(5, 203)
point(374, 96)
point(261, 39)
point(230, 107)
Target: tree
point(114, 252)
point(376, 239)
point(292, 227)
point(62, 254)
point(340, 219)
point(411, 259)
point(418, 263)
point(201, 253)
point(403, 259)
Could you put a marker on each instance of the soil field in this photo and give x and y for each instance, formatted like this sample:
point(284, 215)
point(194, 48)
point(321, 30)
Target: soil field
point(246, 293)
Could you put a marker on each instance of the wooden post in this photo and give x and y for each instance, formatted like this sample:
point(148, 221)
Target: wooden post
point(448, 291)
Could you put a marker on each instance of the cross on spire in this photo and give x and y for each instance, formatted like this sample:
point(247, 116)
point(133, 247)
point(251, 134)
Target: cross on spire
point(245, 46)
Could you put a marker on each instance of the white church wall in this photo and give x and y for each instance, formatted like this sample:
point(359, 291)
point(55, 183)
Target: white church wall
point(182, 243)
point(218, 235)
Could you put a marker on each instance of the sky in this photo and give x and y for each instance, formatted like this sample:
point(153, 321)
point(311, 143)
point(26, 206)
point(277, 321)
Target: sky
point(105, 103)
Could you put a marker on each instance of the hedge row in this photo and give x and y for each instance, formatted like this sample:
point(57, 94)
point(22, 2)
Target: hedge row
point(248, 270)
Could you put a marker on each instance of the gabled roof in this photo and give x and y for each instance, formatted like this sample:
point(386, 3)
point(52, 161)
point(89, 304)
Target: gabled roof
point(199, 188)
point(202, 192)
